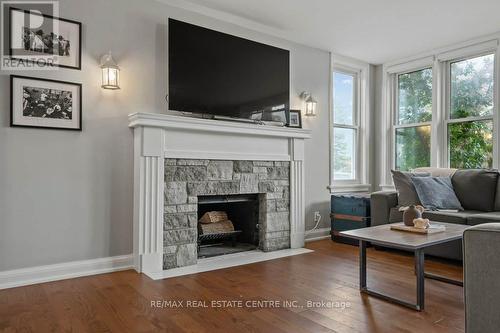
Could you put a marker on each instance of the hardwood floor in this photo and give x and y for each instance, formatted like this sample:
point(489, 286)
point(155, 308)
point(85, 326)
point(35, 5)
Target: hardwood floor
point(121, 302)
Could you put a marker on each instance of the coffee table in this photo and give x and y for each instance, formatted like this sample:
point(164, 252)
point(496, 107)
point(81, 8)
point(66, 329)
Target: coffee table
point(383, 235)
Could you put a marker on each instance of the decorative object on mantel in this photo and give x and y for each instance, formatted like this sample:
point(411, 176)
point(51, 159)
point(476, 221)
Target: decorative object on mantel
point(432, 229)
point(310, 104)
point(411, 213)
point(295, 119)
point(45, 103)
point(54, 42)
point(110, 72)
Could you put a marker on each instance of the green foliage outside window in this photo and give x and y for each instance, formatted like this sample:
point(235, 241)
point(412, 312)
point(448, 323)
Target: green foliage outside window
point(470, 143)
point(413, 144)
point(415, 97)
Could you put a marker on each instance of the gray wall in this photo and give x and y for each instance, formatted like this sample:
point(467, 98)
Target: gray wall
point(67, 196)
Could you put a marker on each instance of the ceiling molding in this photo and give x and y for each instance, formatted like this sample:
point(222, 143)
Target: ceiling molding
point(375, 33)
point(225, 16)
point(242, 22)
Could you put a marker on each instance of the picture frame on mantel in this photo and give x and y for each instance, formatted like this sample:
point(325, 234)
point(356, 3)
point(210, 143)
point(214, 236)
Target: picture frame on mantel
point(57, 42)
point(44, 103)
point(295, 119)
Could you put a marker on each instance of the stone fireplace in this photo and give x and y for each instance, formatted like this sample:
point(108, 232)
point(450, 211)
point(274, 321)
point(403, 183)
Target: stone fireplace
point(180, 160)
point(188, 179)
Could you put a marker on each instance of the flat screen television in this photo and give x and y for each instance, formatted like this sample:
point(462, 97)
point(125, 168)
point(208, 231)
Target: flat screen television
point(217, 74)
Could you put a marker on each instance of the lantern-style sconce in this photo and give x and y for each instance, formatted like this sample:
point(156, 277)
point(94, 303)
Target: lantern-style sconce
point(310, 104)
point(110, 72)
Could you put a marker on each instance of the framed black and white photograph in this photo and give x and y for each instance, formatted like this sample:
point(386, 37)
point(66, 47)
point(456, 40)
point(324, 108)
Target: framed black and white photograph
point(45, 103)
point(52, 40)
point(295, 119)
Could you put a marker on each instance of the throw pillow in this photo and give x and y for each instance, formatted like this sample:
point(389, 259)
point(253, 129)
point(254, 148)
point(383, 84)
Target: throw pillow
point(436, 193)
point(406, 191)
point(475, 188)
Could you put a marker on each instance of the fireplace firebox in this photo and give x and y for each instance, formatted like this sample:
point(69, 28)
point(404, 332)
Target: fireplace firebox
point(242, 211)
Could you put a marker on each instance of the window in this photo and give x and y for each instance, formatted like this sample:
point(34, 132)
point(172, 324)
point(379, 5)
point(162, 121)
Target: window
point(412, 127)
point(442, 111)
point(470, 116)
point(345, 126)
point(349, 125)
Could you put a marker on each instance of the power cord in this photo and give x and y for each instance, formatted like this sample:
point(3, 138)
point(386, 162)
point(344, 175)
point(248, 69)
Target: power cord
point(316, 226)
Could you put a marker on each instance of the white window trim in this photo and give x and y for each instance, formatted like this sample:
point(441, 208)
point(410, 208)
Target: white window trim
point(362, 71)
point(445, 65)
point(439, 60)
point(414, 67)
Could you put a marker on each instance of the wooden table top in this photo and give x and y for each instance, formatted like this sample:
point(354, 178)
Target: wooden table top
point(383, 235)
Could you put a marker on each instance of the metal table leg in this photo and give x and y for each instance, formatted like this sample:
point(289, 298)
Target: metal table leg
point(419, 265)
point(419, 270)
point(443, 279)
point(362, 265)
point(440, 278)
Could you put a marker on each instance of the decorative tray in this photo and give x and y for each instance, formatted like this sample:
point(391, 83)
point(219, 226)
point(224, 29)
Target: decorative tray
point(434, 228)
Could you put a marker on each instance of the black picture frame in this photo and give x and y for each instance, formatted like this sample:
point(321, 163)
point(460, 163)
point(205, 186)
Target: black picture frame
point(294, 124)
point(78, 66)
point(12, 103)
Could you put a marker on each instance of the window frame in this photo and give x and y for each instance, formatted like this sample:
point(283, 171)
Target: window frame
point(446, 65)
point(355, 124)
point(361, 120)
point(395, 116)
point(440, 60)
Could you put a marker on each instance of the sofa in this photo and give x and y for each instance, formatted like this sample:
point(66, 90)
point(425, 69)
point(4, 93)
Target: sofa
point(481, 282)
point(478, 191)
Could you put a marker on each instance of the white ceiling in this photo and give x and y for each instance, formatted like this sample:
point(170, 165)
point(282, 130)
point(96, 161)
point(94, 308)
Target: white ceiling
point(375, 31)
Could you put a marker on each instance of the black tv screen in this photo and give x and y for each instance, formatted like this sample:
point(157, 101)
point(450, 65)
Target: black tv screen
point(218, 74)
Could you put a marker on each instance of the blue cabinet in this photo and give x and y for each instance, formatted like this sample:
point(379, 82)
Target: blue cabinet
point(349, 211)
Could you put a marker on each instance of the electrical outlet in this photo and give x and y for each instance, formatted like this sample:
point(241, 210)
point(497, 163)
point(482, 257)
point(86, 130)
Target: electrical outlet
point(317, 216)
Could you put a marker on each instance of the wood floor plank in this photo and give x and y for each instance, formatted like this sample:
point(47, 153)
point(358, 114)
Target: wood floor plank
point(314, 292)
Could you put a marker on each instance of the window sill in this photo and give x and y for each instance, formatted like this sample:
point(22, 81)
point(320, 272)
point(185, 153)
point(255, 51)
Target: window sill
point(387, 187)
point(343, 188)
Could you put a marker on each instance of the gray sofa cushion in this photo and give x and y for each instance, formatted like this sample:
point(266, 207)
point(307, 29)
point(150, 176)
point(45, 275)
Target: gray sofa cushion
point(395, 215)
point(497, 197)
point(484, 218)
point(481, 282)
point(448, 250)
point(476, 188)
point(381, 204)
point(436, 193)
point(407, 195)
point(448, 217)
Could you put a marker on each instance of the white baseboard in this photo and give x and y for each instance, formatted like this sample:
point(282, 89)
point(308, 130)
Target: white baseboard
point(68, 270)
point(317, 234)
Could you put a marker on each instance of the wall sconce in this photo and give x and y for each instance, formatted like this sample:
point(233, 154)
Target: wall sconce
point(310, 104)
point(110, 72)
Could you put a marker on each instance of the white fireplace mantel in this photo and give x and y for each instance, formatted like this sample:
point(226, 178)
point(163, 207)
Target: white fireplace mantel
point(160, 136)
